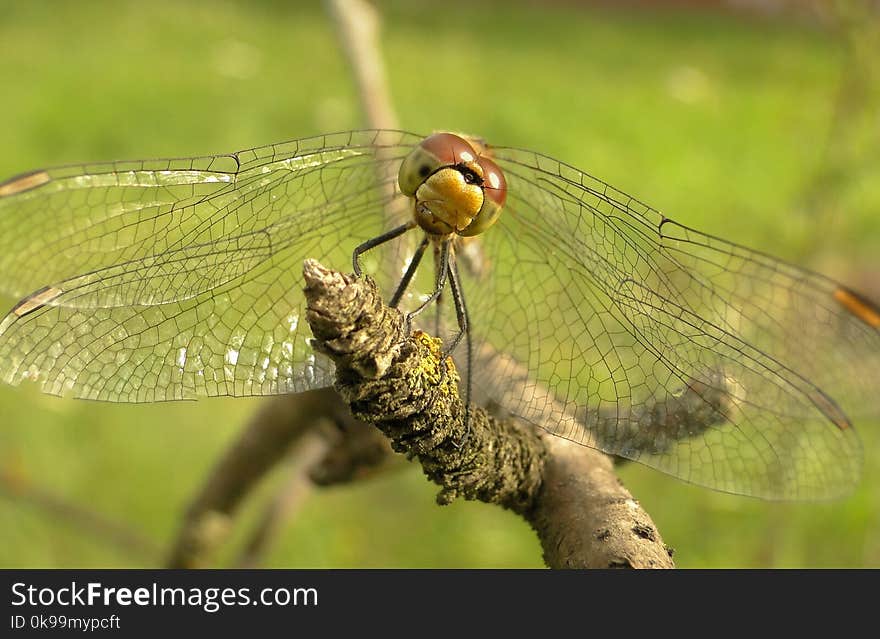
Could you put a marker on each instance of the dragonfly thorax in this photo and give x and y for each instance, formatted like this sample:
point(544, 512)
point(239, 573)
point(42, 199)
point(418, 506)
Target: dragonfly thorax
point(455, 190)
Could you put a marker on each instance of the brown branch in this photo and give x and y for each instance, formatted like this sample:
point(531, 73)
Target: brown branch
point(359, 452)
point(583, 516)
point(310, 450)
point(264, 442)
point(586, 518)
point(279, 425)
point(357, 24)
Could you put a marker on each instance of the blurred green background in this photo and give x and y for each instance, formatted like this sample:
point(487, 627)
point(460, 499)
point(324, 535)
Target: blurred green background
point(761, 129)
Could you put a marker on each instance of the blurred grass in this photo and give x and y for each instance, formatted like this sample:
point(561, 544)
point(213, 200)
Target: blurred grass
point(721, 122)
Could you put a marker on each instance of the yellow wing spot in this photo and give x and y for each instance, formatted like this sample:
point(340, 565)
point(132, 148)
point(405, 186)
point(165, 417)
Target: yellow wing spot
point(858, 306)
point(36, 300)
point(23, 183)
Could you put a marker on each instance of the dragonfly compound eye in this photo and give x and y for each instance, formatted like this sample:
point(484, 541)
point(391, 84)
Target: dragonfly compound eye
point(444, 175)
point(494, 195)
point(433, 153)
point(456, 190)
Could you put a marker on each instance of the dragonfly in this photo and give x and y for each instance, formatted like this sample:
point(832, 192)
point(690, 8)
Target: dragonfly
point(587, 313)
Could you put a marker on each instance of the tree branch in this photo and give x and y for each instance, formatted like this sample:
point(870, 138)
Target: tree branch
point(357, 24)
point(583, 516)
point(264, 442)
point(351, 450)
point(308, 451)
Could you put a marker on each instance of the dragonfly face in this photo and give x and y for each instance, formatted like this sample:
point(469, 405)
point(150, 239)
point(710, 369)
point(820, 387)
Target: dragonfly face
point(456, 190)
point(592, 315)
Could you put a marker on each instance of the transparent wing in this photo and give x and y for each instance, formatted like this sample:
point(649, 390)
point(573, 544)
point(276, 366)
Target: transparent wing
point(614, 319)
point(172, 279)
point(594, 316)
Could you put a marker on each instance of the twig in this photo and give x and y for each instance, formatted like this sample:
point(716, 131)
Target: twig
point(583, 516)
point(357, 24)
point(310, 449)
point(264, 442)
point(96, 526)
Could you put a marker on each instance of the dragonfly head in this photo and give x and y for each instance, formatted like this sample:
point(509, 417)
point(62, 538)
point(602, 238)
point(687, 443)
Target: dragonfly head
point(456, 190)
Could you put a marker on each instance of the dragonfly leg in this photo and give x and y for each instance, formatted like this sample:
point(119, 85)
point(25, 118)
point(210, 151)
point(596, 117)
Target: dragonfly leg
point(464, 331)
point(410, 271)
point(441, 282)
point(461, 313)
point(376, 241)
point(437, 314)
point(438, 307)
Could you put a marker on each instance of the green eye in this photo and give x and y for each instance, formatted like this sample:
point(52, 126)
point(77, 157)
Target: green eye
point(415, 168)
point(487, 216)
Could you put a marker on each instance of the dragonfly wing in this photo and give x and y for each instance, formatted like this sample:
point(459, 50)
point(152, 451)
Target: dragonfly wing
point(173, 279)
point(617, 315)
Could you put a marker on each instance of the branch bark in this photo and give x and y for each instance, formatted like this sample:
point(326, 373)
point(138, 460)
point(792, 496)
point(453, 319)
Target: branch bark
point(583, 515)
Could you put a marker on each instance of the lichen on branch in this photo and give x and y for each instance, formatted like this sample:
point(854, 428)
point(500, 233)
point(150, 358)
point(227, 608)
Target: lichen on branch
point(406, 387)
